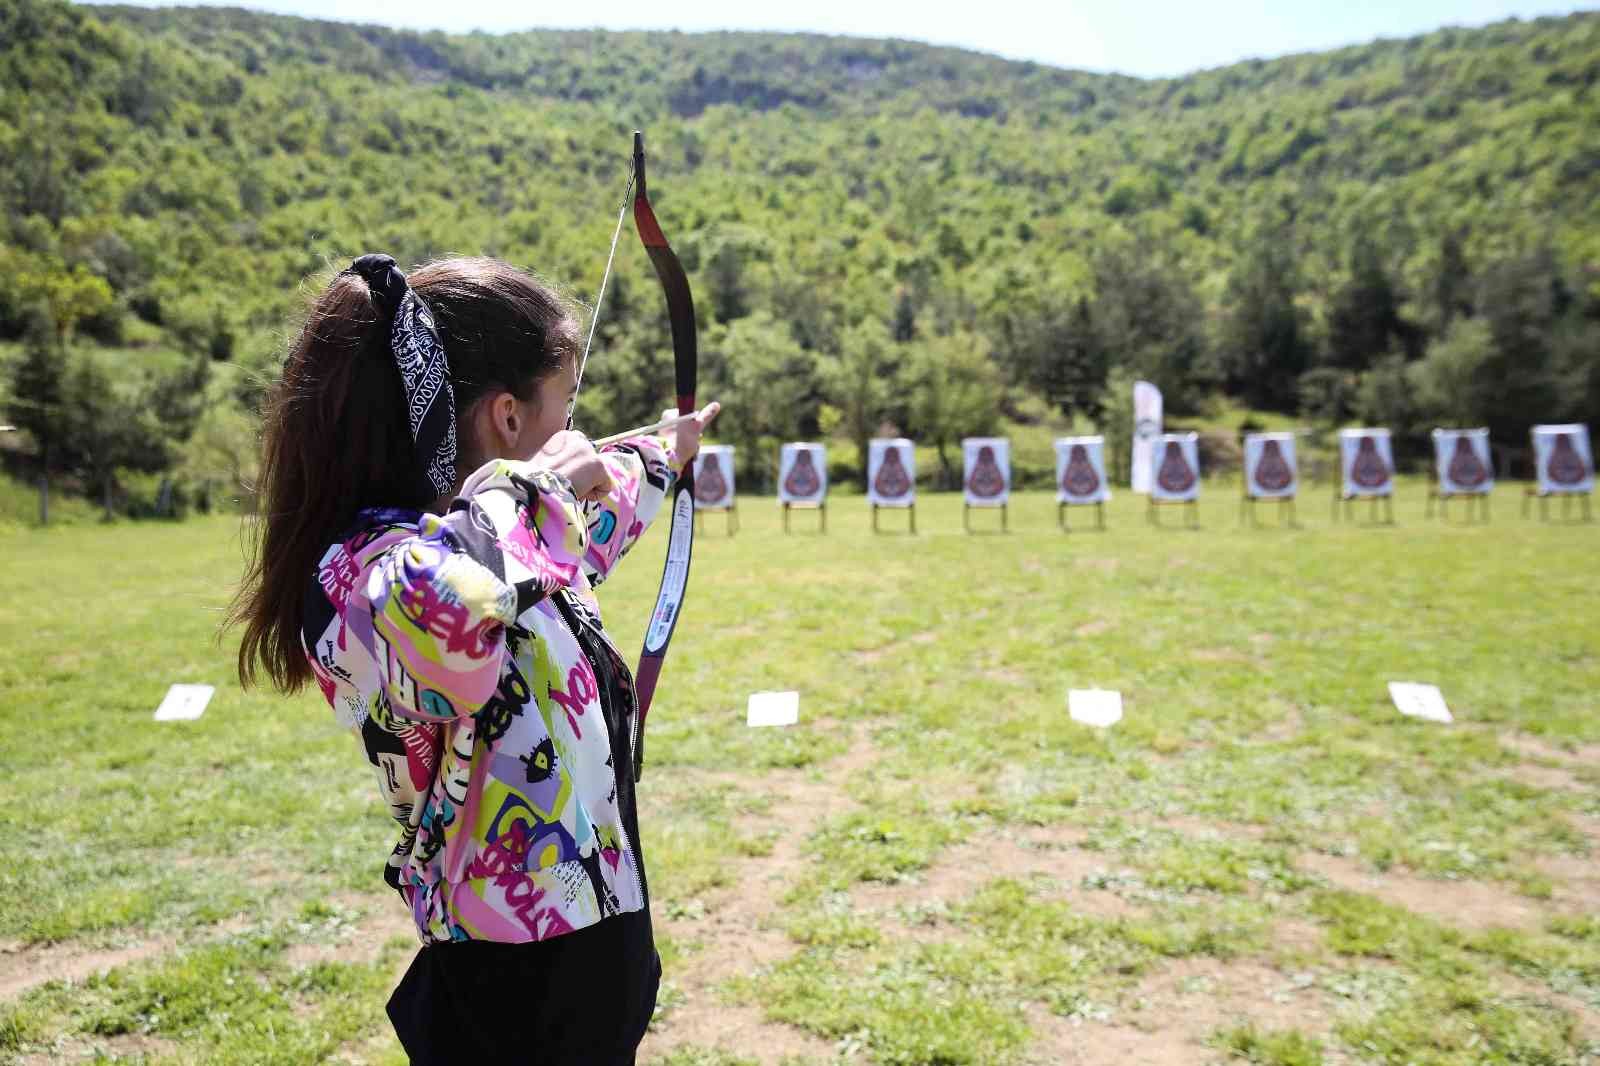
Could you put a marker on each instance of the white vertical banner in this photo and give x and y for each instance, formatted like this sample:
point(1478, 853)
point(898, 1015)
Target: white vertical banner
point(891, 472)
point(802, 473)
point(1177, 467)
point(1366, 461)
point(713, 477)
point(1270, 472)
point(1146, 428)
point(1081, 470)
point(1564, 458)
point(987, 471)
point(1463, 461)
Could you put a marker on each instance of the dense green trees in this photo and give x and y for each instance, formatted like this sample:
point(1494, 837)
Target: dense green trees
point(1405, 231)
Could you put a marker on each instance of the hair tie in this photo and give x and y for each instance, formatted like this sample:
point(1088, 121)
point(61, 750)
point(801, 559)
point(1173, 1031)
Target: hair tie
point(424, 370)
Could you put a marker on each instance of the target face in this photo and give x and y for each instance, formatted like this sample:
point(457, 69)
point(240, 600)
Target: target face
point(891, 472)
point(986, 472)
point(1463, 461)
point(1367, 462)
point(1081, 470)
point(713, 477)
point(802, 473)
point(1270, 471)
point(1177, 467)
point(1564, 458)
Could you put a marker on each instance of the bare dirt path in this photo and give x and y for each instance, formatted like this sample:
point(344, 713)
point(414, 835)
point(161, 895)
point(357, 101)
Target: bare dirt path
point(741, 932)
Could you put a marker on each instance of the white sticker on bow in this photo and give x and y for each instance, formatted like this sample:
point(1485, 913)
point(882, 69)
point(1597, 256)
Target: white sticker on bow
point(184, 702)
point(773, 708)
point(1419, 701)
point(1098, 707)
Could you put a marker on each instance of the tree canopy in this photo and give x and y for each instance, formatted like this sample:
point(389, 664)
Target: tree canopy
point(851, 212)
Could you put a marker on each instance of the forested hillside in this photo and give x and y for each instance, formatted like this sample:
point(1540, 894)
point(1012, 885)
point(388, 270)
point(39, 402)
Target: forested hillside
point(1404, 232)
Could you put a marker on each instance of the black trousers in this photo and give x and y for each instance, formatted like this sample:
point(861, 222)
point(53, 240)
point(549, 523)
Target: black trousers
point(583, 999)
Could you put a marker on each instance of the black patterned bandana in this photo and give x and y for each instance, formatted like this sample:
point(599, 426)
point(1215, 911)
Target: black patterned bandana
point(424, 370)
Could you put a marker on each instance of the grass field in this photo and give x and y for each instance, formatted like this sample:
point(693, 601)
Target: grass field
point(1263, 862)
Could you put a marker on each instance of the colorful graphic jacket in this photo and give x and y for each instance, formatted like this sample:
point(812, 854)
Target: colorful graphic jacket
point(467, 651)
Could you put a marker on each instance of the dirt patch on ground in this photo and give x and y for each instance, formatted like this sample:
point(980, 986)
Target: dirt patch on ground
point(123, 1046)
point(1577, 881)
point(1285, 726)
point(733, 1028)
point(738, 935)
point(1468, 904)
point(1589, 826)
point(382, 920)
point(1168, 1017)
point(1091, 629)
point(894, 647)
point(22, 968)
point(1290, 936)
point(1552, 778)
point(960, 871)
point(1536, 748)
point(1222, 655)
point(1069, 1042)
point(1588, 1018)
point(1210, 828)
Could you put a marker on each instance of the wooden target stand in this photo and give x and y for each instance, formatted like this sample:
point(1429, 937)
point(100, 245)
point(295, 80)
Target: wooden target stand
point(1247, 509)
point(966, 517)
point(1477, 505)
point(1532, 493)
point(1372, 511)
point(1152, 513)
point(821, 507)
point(732, 512)
point(910, 509)
point(1099, 514)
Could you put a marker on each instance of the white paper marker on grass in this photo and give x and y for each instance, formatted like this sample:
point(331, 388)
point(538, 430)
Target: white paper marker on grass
point(1095, 706)
point(1419, 701)
point(184, 701)
point(773, 708)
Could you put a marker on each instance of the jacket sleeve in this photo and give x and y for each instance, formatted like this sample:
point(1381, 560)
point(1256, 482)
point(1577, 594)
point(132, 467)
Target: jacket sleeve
point(441, 600)
point(643, 471)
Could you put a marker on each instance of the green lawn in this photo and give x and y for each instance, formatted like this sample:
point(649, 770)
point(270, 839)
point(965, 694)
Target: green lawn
point(1263, 862)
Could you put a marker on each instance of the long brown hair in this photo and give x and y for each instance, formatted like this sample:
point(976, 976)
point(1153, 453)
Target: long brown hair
point(335, 435)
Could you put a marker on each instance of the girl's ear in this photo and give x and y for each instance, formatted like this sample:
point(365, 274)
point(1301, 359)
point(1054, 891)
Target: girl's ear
point(507, 418)
point(494, 425)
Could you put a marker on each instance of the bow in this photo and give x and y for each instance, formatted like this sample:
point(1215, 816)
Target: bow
point(680, 312)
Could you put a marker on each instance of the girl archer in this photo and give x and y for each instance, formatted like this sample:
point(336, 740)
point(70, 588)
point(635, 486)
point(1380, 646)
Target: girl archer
point(431, 541)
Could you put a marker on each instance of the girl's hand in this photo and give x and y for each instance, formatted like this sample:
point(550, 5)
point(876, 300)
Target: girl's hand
point(685, 438)
point(570, 454)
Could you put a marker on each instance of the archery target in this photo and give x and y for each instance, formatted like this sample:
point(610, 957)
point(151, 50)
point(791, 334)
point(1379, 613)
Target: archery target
point(1564, 458)
point(713, 477)
point(1175, 461)
point(891, 473)
point(1270, 471)
point(1081, 470)
point(1366, 462)
point(802, 473)
point(1463, 461)
point(986, 471)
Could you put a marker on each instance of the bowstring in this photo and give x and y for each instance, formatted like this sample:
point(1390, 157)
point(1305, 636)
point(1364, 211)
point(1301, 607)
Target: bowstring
point(594, 320)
